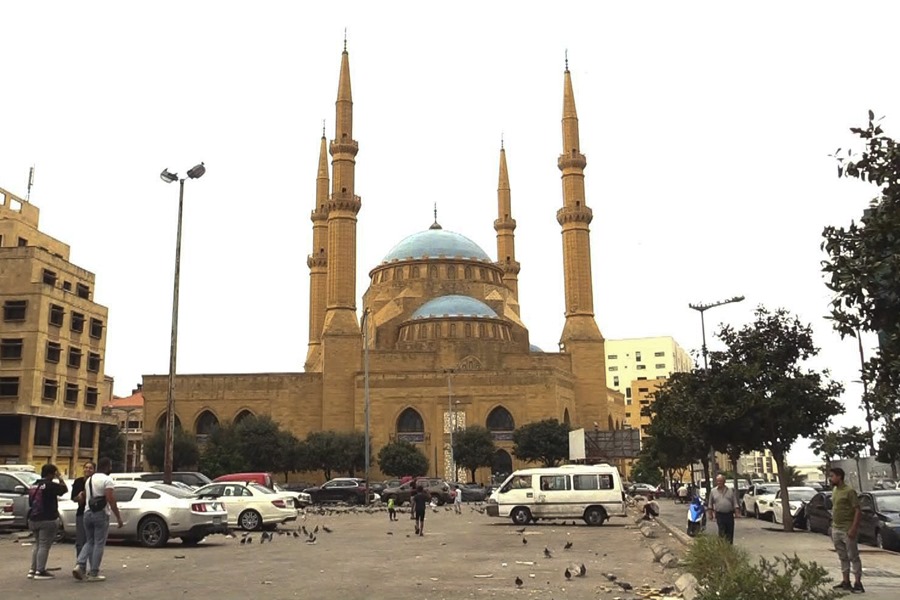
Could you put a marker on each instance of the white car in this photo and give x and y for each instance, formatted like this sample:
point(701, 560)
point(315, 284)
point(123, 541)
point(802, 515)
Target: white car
point(797, 497)
point(6, 511)
point(758, 499)
point(302, 498)
point(251, 506)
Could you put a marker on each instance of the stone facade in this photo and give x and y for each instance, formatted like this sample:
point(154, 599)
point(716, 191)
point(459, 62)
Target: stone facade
point(440, 329)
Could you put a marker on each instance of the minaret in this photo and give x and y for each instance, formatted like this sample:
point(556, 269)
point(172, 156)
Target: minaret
point(581, 338)
point(318, 263)
point(505, 226)
point(341, 336)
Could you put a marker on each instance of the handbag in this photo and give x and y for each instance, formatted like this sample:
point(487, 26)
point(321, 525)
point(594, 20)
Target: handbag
point(95, 504)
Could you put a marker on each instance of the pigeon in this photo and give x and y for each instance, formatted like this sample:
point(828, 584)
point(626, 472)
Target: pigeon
point(392, 533)
point(520, 530)
point(326, 530)
point(303, 528)
point(249, 539)
point(547, 553)
point(311, 540)
point(296, 535)
point(568, 573)
point(316, 530)
point(624, 585)
point(243, 541)
point(524, 541)
point(567, 546)
point(582, 571)
point(667, 589)
point(518, 581)
point(610, 577)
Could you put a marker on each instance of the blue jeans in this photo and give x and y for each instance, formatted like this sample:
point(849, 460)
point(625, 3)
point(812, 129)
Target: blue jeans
point(44, 532)
point(96, 528)
point(79, 534)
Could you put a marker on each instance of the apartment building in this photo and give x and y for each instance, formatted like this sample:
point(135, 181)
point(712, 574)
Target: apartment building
point(52, 347)
point(643, 359)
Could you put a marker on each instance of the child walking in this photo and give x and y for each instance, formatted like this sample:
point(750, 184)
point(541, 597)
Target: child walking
point(392, 513)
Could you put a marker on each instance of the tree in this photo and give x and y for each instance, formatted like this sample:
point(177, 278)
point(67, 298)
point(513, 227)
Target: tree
point(889, 446)
point(221, 453)
point(826, 445)
point(257, 437)
point(112, 445)
point(544, 441)
point(646, 470)
point(766, 358)
point(351, 452)
point(793, 477)
point(398, 459)
point(322, 447)
point(185, 451)
point(473, 448)
point(852, 442)
point(863, 268)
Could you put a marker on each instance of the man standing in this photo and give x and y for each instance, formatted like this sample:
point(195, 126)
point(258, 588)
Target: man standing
point(420, 503)
point(723, 508)
point(78, 497)
point(43, 516)
point(844, 529)
point(100, 500)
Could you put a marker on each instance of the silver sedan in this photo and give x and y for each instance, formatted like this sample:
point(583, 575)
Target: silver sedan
point(154, 512)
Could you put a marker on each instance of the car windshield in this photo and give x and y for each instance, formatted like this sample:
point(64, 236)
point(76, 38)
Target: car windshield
point(801, 495)
point(28, 477)
point(261, 488)
point(889, 503)
point(171, 490)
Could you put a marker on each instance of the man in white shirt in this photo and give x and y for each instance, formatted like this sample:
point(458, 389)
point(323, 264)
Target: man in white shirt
point(100, 499)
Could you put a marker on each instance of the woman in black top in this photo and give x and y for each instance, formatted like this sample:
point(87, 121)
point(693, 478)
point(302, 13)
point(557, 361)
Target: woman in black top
point(43, 514)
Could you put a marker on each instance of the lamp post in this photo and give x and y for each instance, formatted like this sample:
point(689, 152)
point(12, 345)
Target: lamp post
point(365, 326)
point(865, 383)
point(702, 308)
point(195, 172)
point(452, 422)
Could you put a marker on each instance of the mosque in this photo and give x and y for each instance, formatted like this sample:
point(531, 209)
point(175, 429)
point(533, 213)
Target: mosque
point(439, 329)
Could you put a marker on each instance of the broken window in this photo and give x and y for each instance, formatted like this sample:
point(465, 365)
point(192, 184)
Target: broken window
point(96, 328)
point(14, 310)
point(93, 364)
point(82, 291)
point(57, 314)
point(49, 277)
point(74, 361)
point(71, 393)
point(54, 350)
point(9, 387)
point(90, 397)
point(11, 348)
point(77, 322)
point(51, 387)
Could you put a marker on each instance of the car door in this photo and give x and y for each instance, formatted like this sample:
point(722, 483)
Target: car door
point(814, 510)
point(129, 510)
point(869, 521)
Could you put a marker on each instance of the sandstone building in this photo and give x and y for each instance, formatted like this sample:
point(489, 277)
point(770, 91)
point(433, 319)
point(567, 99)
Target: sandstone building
point(52, 347)
point(440, 321)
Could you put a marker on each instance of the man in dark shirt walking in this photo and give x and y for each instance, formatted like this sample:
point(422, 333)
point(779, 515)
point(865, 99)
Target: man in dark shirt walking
point(420, 503)
point(78, 497)
point(43, 513)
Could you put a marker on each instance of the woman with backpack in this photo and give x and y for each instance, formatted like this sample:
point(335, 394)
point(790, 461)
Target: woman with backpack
point(43, 516)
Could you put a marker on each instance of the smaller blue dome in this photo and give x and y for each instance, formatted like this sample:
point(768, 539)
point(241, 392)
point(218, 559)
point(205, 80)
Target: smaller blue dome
point(534, 348)
point(454, 306)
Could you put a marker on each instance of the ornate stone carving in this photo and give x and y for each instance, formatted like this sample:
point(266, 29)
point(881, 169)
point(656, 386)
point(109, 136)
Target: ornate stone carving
point(469, 363)
point(574, 214)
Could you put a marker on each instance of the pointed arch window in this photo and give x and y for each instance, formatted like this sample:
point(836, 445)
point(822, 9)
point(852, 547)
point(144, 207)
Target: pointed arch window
point(398, 273)
point(501, 424)
point(415, 272)
point(242, 415)
point(469, 273)
point(433, 272)
point(566, 419)
point(410, 426)
point(206, 423)
point(161, 422)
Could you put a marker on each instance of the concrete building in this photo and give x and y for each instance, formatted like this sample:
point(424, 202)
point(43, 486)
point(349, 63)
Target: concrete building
point(643, 359)
point(52, 347)
point(446, 345)
point(642, 395)
point(758, 464)
point(129, 415)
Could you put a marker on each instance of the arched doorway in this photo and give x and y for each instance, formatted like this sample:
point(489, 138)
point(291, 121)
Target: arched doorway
point(242, 415)
point(501, 466)
point(501, 424)
point(410, 426)
point(206, 423)
point(161, 422)
point(566, 420)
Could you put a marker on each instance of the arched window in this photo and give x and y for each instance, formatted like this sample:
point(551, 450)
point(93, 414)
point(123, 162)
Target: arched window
point(468, 330)
point(433, 272)
point(481, 330)
point(161, 423)
point(242, 415)
point(481, 274)
point(453, 330)
point(206, 423)
point(398, 273)
point(566, 419)
point(415, 272)
point(501, 424)
point(410, 422)
point(468, 273)
point(451, 272)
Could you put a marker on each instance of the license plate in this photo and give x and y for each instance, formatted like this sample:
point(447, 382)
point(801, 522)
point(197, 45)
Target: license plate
point(217, 520)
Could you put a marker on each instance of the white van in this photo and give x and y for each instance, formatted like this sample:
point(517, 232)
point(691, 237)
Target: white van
point(590, 492)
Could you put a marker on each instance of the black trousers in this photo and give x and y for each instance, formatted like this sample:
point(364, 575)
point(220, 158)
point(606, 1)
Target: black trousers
point(725, 521)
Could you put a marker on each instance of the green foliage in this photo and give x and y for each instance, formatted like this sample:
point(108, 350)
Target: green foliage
point(863, 264)
point(185, 451)
point(793, 477)
point(544, 441)
point(889, 446)
point(221, 453)
point(646, 470)
point(351, 453)
point(826, 444)
point(400, 458)
point(331, 451)
point(725, 571)
point(112, 445)
point(257, 439)
point(473, 447)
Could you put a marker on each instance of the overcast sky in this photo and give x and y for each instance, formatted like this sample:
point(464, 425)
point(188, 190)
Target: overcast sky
point(707, 128)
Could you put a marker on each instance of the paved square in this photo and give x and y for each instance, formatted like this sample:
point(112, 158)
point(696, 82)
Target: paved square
point(366, 556)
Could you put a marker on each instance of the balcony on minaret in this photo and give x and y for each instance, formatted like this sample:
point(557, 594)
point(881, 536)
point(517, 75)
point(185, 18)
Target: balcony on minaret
point(573, 160)
point(575, 214)
point(507, 223)
point(344, 146)
point(343, 201)
point(317, 260)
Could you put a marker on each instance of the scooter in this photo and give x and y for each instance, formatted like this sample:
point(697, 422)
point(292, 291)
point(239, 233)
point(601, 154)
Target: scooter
point(696, 517)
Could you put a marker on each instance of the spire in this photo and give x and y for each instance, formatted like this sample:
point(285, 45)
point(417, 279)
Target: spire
point(505, 226)
point(344, 104)
point(323, 168)
point(435, 225)
point(317, 262)
point(570, 115)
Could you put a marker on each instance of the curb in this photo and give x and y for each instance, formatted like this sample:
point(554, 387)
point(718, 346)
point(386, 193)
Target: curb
point(676, 532)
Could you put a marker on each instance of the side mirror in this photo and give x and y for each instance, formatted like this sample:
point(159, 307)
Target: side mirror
point(20, 489)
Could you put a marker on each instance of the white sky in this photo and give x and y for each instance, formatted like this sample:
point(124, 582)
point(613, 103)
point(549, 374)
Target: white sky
point(706, 127)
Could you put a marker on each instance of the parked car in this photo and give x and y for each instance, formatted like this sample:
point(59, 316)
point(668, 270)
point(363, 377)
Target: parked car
point(251, 506)
point(301, 499)
point(14, 485)
point(189, 478)
point(264, 479)
point(642, 489)
point(749, 503)
point(6, 512)
point(152, 513)
point(340, 489)
point(880, 522)
point(438, 489)
point(764, 502)
point(818, 513)
point(797, 498)
point(884, 484)
point(471, 492)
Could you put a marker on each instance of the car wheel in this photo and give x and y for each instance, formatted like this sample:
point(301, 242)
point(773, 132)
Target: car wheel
point(594, 516)
point(250, 520)
point(152, 532)
point(520, 515)
point(189, 540)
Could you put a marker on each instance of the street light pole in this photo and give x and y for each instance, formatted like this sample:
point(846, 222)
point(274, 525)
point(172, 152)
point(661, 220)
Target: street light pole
point(365, 326)
point(194, 173)
point(702, 308)
point(452, 423)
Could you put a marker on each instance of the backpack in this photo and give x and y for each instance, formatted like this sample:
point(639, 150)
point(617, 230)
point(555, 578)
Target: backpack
point(36, 500)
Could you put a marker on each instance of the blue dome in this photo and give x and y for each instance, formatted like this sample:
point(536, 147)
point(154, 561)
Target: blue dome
point(454, 306)
point(534, 348)
point(436, 243)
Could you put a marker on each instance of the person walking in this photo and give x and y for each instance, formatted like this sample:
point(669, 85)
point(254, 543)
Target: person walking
point(457, 501)
point(43, 517)
point(392, 512)
point(723, 508)
point(78, 497)
point(420, 503)
point(845, 516)
point(100, 501)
